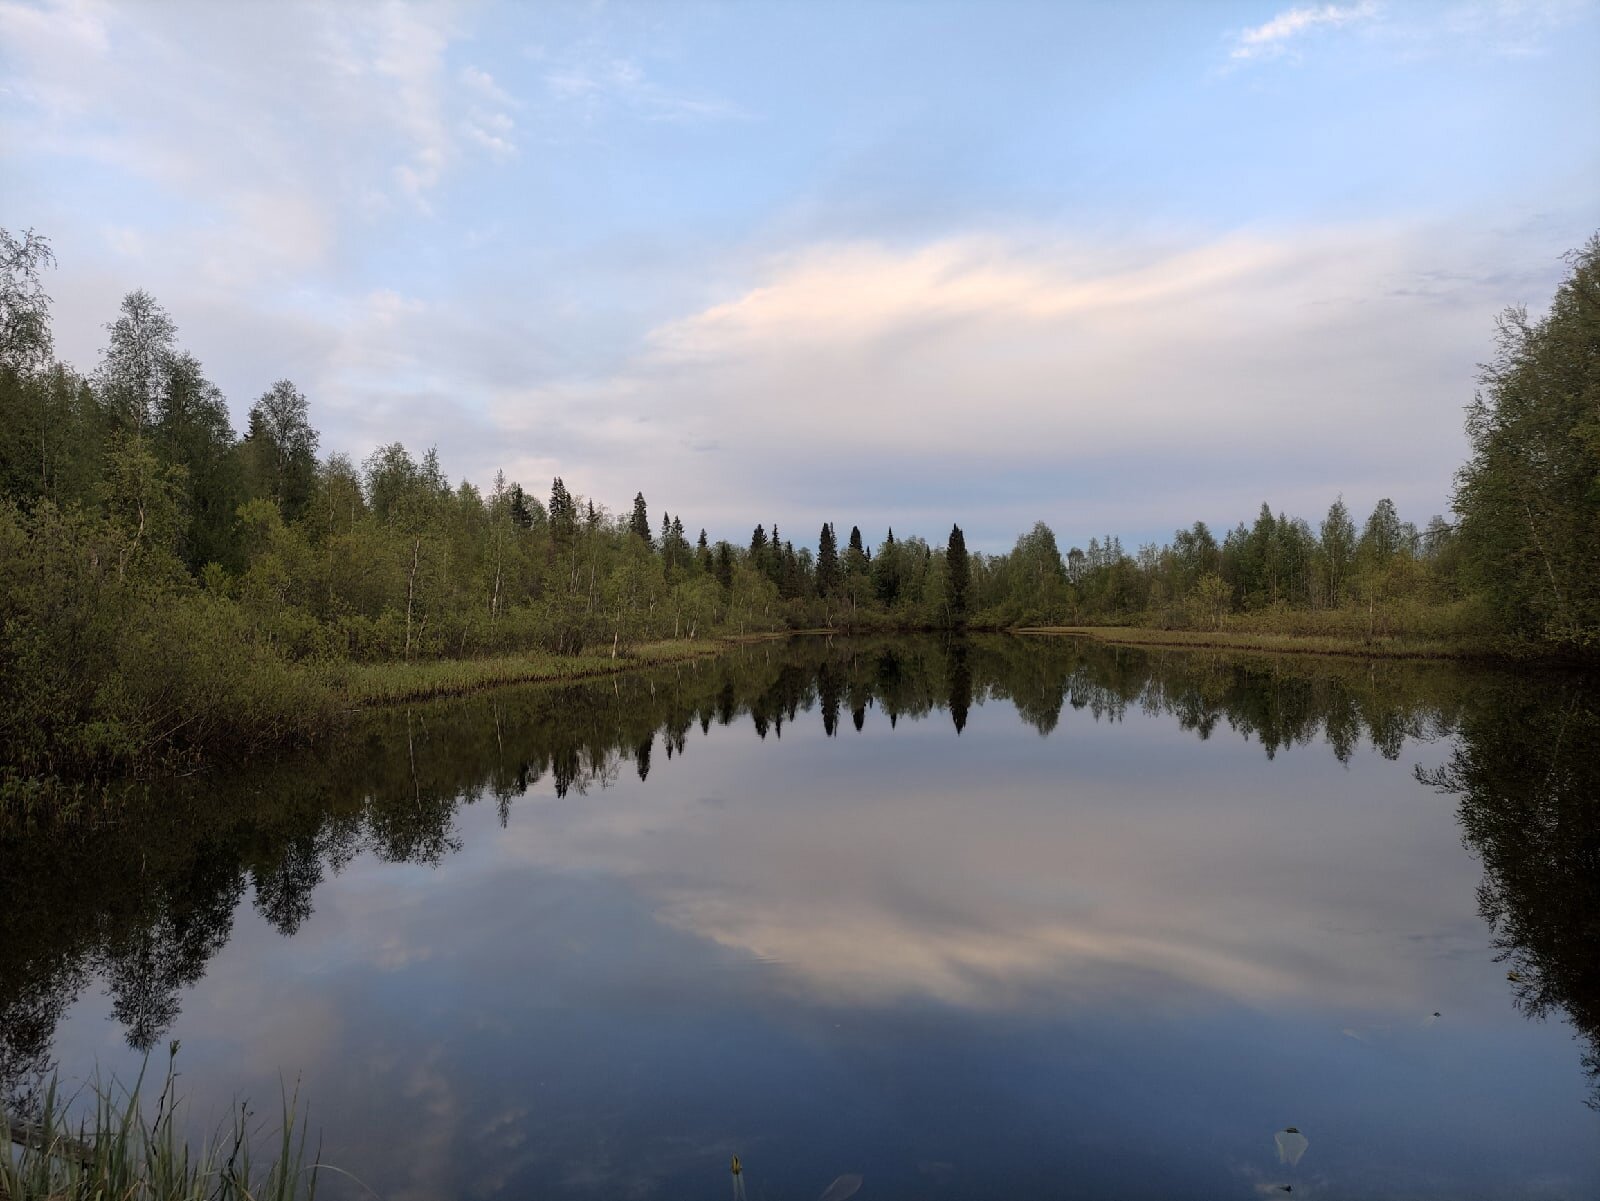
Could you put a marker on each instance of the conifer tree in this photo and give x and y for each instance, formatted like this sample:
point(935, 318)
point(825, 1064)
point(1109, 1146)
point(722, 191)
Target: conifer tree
point(563, 511)
point(827, 561)
point(521, 514)
point(639, 523)
point(958, 573)
point(855, 555)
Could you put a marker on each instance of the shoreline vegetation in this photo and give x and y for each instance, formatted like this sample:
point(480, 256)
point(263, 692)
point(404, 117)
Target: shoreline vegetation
point(379, 684)
point(373, 684)
point(174, 594)
point(1249, 641)
point(120, 1149)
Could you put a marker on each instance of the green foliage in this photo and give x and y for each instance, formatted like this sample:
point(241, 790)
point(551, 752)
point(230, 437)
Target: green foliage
point(958, 574)
point(122, 1150)
point(171, 591)
point(1529, 497)
point(280, 449)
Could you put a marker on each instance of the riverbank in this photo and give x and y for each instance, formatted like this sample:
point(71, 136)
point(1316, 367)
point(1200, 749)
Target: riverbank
point(1283, 644)
point(368, 685)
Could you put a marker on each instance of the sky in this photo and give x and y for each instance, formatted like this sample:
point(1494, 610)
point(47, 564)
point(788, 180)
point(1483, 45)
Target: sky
point(1115, 267)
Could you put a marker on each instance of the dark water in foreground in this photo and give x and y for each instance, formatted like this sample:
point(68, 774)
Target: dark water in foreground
point(1004, 918)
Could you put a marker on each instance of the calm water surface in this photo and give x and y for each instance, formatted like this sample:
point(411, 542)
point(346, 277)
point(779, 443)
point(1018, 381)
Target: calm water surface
point(1009, 918)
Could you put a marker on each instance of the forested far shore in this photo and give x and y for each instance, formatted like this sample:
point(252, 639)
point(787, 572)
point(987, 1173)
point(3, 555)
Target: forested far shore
point(171, 588)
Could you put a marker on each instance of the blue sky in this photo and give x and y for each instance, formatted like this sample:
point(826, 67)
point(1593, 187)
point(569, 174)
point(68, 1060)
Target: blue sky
point(1115, 267)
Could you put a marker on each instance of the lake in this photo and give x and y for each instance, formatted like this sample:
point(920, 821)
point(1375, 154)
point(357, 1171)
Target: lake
point(998, 917)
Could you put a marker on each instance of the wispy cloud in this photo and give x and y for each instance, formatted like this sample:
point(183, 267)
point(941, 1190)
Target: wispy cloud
point(489, 124)
point(1503, 28)
point(1277, 36)
point(598, 85)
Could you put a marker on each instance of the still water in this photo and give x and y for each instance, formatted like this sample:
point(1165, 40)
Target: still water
point(994, 918)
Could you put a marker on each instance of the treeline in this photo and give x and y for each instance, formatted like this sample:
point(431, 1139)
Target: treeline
point(169, 584)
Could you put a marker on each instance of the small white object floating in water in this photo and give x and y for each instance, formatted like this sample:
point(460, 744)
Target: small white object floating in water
point(1291, 1145)
point(844, 1186)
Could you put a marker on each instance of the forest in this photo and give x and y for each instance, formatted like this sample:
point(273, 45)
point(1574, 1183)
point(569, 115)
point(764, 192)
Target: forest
point(172, 587)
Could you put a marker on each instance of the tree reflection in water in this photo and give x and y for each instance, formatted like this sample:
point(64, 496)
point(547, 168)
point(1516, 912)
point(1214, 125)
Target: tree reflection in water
point(144, 901)
point(1527, 770)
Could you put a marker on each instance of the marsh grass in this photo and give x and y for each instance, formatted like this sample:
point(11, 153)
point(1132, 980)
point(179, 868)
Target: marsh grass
point(1268, 642)
point(120, 1151)
point(388, 683)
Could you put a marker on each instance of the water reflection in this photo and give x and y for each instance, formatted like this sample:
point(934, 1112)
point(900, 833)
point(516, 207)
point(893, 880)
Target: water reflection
point(1122, 874)
point(1527, 771)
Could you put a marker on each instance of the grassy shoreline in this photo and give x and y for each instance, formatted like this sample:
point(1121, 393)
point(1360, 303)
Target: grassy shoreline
point(374, 685)
point(369, 685)
point(1282, 644)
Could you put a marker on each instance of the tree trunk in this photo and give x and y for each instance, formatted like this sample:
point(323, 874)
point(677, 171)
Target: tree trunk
point(411, 590)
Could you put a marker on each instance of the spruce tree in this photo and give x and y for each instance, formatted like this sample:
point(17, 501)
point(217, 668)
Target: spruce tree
point(639, 523)
point(855, 555)
point(563, 511)
point(827, 561)
point(520, 513)
point(958, 575)
point(775, 566)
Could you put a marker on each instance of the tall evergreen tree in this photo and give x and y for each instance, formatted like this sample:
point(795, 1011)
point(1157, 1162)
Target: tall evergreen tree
point(521, 513)
point(192, 431)
point(563, 511)
point(639, 523)
point(855, 554)
point(958, 574)
point(827, 561)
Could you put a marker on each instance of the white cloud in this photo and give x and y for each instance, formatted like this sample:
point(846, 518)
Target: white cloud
point(843, 906)
point(1322, 356)
point(1274, 37)
point(597, 85)
point(1504, 28)
point(264, 128)
point(484, 85)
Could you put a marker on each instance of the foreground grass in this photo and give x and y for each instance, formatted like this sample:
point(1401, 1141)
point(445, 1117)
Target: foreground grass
point(1389, 647)
point(121, 1152)
point(369, 684)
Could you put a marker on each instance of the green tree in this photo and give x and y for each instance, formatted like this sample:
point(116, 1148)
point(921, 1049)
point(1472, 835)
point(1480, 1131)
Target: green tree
point(280, 450)
point(192, 431)
point(827, 561)
point(1383, 536)
point(136, 361)
point(958, 573)
point(1338, 550)
point(25, 342)
point(1529, 497)
point(855, 555)
point(886, 571)
point(563, 512)
point(639, 522)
